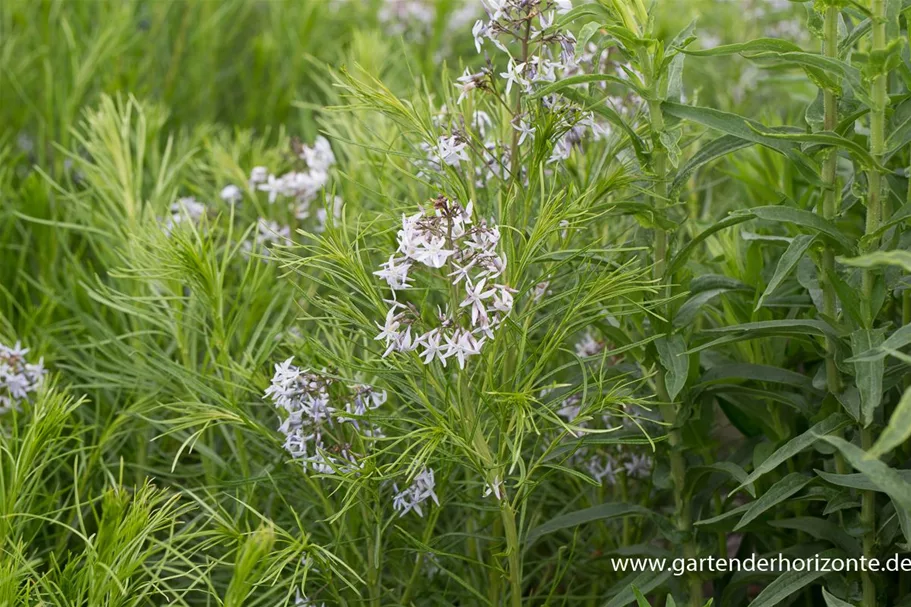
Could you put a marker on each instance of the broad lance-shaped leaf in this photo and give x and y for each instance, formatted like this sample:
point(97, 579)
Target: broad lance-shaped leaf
point(680, 258)
point(897, 431)
point(821, 529)
point(731, 124)
point(833, 601)
point(672, 354)
point(896, 341)
point(792, 581)
point(601, 512)
point(796, 250)
point(695, 304)
point(831, 424)
point(892, 482)
point(713, 523)
point(857, 480)
point(898, 258)
point(704, 289)
point(644, 582)
point(588, 30)
point(730, 468)
point(813, 63)
point(888, 481)
point(713, 150)
point(790, 327)
point(803, 219)
point(748, 130)
point(823, 70)
point(830, 139)
point(776, 494)
point(775, 45)
point(584, 79)
point(585, 10)
point(868, 374)
point(641, 601)
point(735, 372)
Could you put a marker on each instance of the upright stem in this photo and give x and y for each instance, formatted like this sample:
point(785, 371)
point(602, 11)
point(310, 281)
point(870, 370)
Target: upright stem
point(868, 522)
point(906, 320)
point(508, 516)
point(877, 139)
point(827, 209)
point(670, 410)
point(874, 218)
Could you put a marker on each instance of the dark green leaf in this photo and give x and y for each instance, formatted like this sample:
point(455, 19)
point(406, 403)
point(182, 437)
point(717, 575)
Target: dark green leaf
point(899, 339)
point(672, 354)
point(821, 529)
point(796, 250)
point(558, 87)
point(901, 259)
point(601, 512)
point(804, 219)
point(833, 601)
point(790, 582)
point(680, 258)
point(831, 424)
point(754, 372)
point(646, 581)
point(730, 468)
point(868, 374)
point(777, 493)
point(713, 150)
point(898, 430)
point(886, 479)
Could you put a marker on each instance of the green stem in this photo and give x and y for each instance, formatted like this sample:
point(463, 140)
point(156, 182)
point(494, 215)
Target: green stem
point(828, 208)
point(508, 515)
point(906, 320)
point(874, 218)
point(877, 145)
point(868, 523)
point(670, 410)
point(624, 497)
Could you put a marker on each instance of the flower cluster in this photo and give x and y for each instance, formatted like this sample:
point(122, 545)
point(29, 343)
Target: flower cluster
point(301, 186)
point(601, 467)
point(267, 233)
point(185, 209)
point(415, 18)
point(18, 378)
point(448, 239)
point(311, 414)
point(420, 490)
point(548, 54)
point(605, 467)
